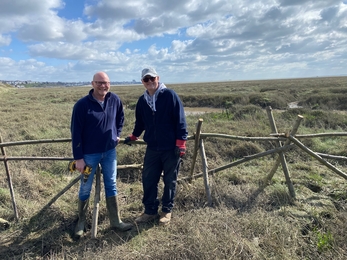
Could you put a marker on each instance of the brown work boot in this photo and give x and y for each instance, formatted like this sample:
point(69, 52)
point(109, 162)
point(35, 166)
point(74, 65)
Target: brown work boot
point(165, 218)
point(145, 218)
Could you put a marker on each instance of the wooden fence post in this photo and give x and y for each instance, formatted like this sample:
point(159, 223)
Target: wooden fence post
point(9, 180)
point(244, 159)
point(73, 182)
point(315, 155)
point(281, 154)
point(278, 161)
point(196, 147)
point(205, 172)
point(96, 202)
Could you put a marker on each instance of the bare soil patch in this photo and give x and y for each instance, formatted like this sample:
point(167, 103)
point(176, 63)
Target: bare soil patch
point(200, 110)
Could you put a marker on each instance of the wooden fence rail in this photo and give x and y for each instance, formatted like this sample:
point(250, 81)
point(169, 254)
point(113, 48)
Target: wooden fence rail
point(283, 141)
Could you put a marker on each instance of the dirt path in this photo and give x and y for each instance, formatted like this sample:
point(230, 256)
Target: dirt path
point(200, 110)
point(294, 104)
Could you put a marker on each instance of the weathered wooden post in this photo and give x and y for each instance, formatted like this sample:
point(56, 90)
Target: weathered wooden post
point(281, 154)
point(196, 148)
point(199, 143)
point(9, 180)
point(73, 182)
point(316, 156)
point(96, 202)
point(205, 172)
point(278, 161)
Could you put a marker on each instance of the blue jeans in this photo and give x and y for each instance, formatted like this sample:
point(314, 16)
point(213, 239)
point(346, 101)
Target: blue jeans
point(108, 162)
point(156, 162)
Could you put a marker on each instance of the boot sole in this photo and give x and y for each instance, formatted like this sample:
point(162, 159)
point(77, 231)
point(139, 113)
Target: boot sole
point(122, 229)
point(146, 221)
point(140, 222)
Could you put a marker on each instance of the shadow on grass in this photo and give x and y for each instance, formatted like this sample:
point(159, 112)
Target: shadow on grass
point(48, 234)
point(247, 200)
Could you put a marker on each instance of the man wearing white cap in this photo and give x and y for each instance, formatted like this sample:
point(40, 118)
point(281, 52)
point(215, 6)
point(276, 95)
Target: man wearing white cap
point(160, 114)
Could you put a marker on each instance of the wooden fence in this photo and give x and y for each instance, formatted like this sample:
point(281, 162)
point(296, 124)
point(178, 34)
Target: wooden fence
point(284, 142)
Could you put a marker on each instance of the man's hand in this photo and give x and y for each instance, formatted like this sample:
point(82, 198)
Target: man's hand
point(80, 164)
point(129, 139)
point(180, 147)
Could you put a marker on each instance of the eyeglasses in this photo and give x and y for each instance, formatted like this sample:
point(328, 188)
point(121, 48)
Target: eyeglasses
point(149, 78)
point(99, 83)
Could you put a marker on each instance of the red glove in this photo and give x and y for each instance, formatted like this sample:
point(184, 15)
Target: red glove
point(130, 138)
point(181, 147)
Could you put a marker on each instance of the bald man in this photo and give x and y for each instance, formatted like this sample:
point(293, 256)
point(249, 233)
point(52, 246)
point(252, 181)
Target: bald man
point(96, 124)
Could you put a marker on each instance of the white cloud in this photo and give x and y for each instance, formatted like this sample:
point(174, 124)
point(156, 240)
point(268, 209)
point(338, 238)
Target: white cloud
point(229, 39)
point(15, 8)
point(44, 28)
point(5, 40)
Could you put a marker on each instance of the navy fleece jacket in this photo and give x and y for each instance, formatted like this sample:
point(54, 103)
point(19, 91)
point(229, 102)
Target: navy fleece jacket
point(163, 126)
point(95, 129)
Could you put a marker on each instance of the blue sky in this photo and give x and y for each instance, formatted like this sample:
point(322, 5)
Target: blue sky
point(186, 41)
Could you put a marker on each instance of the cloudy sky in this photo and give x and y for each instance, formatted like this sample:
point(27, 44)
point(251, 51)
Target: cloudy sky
point(186, 41)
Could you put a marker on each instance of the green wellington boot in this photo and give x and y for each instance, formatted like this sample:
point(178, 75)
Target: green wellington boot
point(82, 212)
point(115, 221)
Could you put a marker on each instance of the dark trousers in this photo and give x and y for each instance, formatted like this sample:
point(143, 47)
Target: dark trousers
point(156, 162)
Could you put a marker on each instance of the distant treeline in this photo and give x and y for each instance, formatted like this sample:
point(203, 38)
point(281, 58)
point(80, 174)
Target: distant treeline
point(30, 84)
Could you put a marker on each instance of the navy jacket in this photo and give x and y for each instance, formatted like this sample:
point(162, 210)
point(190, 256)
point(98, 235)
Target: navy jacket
point(95, 129)
point(163, 126)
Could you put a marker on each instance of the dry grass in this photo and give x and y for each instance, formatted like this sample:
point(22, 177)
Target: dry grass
point(246, 221)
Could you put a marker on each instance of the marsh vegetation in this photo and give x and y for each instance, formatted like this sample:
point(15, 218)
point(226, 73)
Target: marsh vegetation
point(244, 221)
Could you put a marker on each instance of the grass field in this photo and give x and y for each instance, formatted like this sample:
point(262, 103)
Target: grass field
point(246, 220)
